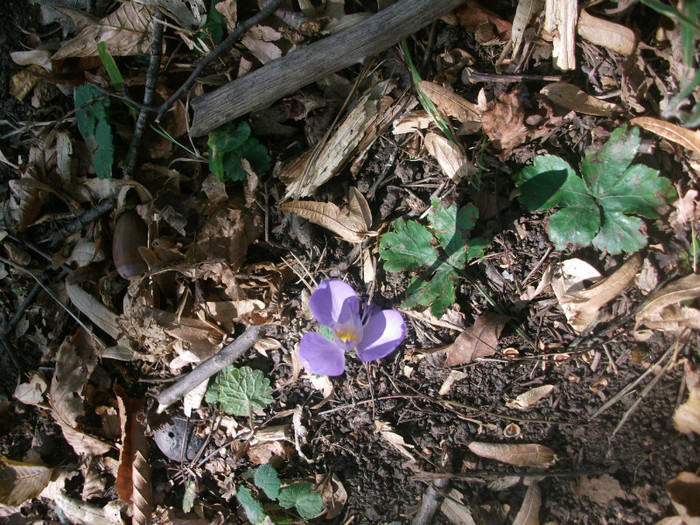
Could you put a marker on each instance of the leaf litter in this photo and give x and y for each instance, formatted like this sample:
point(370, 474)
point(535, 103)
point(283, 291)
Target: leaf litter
point(221, 255)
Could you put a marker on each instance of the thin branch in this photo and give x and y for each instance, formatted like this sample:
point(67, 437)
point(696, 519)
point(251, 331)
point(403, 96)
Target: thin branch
point(222, 48)
point(119, 96)
point(151, 83)
point(85, 219)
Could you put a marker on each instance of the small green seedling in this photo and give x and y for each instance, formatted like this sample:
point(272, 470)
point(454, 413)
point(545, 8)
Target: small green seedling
point(93, 123)
point(228, 145)
point(300, 496)
point(413, 247)
point(600, 207)
point(240, 391)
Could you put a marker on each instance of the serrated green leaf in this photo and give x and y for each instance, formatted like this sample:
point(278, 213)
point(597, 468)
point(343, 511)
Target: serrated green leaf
point(240, 390)
point(257, 155)
point(408, 247)
point(302, 496)
point(103, 157)
point(620, 233)
point(639, 190)
point(602, 168)
point(451, 226)
point(550, 181)
point(253, 509)
point(266, 478)
point(438, 293)
point(577, 224)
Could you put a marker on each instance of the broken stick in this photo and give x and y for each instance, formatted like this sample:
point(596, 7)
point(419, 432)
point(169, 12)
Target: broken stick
point(259, 89)
point(210, 367)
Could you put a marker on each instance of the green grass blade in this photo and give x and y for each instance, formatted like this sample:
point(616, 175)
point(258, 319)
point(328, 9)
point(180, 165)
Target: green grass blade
point(110, 65)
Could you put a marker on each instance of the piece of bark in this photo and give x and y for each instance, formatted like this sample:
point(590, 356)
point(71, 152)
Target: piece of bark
point(259, 89)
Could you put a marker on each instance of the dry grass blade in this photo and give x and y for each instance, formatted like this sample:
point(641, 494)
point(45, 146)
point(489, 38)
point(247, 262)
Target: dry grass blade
point(685, 137)
point(133, 481)
point(348, 226)
point(572, 97)
point(529, 513)
point(527, 455)
point(20, 481)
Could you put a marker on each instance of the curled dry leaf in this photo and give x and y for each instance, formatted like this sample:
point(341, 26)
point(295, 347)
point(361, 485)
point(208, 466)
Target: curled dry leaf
point(606, 34)
point(663, 311)
point(333, 493)
point(527, 455)
point(21, 481)
point(450, 156)
point(133, 481)
point(127, 31)
point(353, 225)
point(527, 400)
point(573, 98)
point(583, 307)
point(479, 340)
point(32, 393)
point(529, 513)
point(687, 138)
point(686, 418)
point(453, 104)
point(684, 491)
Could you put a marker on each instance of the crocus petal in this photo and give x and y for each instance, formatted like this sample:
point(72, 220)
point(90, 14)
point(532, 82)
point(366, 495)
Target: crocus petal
point(383, 332)
point(320, 355)
point(335, 303)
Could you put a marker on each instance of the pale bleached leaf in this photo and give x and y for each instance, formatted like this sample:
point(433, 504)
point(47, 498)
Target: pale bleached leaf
point(126, 31)
point(526, 455)
point(347, 225)
point(573, 98)
point(524, 13)
point(359, 206)
point(529, 513)
point(527, 400)
point(663, 310)
point(687, 138)
point(450, 102)
point(93, 309)
point(686, 418)
point(450, 156)
point(606, 34)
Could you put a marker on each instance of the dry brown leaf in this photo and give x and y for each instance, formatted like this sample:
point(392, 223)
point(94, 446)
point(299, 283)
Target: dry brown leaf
point(686, 418)
point(351, 226)
point(687, 138)
point(32, 392)
point(686, 210)
point(479, 340)
point(127, 31)
point(684, 491)
point(84, 513)
point(573, 98)
point(529, 513)
point(93, 309)
point(455, 511)
point(473, 14)
point(359, 206)
point(452, 104)
point(450, 156)
point(583, 307)
point(133, 483)
point(411, 122)
point(527, 400)
point(455, 376)
point(662, 311)
point(526, 11)
point(23, 82)
point(600, 490)
point(30, 199)
point(333, 493)
point(526, 455)
point(606, 34)
point(21, 481)
point(396, 440)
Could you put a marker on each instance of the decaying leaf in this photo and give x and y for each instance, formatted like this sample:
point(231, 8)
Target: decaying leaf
point(686, 418)
point(472, 15)
point(526, 455)
point(450, 156)
point(133, 481)
point(573, 98)
point(479, 340)
point(600, 490)
point(455, 511)
point(454, 105)
point(333, 493)
point(606, 34)
point(687, 138)
point(353, 225)
point(127, 31)
point(686, 210)
point(583, 307)
point(21, 481)
point(524, 13)
point(684, 491)
point(93, 309)
point(84, 513)
point(32, 392)
point(527, 400)
point(663, 311)
point(529, 513)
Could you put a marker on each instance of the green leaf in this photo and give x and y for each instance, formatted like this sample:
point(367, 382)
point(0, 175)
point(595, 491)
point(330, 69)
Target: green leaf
point(550, 181)
point(408, 247)
point(301, 495)
point(603, 168)
point(438, 293)
point(239, 391)
point(215, 24)
point(228, 145)
point(88, 114)
point(451, 226)
point(253, 509)
point(103, 157)
point(620, 233)
point(266, 478)
point(110, 66)
point(574, 224)
point(639, 190)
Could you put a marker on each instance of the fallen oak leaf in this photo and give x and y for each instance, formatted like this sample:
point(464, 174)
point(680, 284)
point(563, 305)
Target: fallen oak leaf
point(687, 138)
point(479, 340)
point(526, 455)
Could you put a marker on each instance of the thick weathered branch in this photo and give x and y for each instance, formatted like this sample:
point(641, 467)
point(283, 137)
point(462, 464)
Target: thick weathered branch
point(259, 89)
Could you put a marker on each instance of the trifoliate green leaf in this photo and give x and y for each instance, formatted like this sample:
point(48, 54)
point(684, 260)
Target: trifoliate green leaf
point(408, 247)
point(266, 478)
point(620, 233)
point(550, 181)
point(253, 509)
point(639, 191)
point(239, 391)
point(302, 496)
point(576, 224)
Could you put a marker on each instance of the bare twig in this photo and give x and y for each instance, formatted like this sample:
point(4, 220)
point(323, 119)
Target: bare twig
point(210, 367)
point(151, 83)
point(432, 498)
point(222, 48)
point(85, 219)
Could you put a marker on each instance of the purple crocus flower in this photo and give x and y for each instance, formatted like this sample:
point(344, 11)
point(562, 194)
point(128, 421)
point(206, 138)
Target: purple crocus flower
point(373, 335)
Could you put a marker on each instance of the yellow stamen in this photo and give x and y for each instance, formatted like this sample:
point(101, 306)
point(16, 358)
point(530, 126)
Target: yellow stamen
point(347, 334)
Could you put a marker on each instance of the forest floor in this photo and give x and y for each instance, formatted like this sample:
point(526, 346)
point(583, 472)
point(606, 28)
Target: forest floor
point(513, 398)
